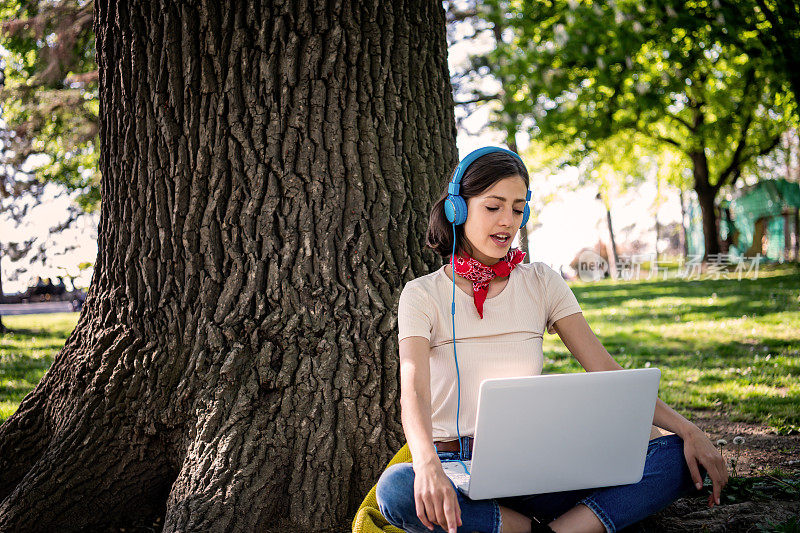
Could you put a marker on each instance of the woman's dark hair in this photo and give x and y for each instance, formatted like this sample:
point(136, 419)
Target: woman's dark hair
point(479, 176)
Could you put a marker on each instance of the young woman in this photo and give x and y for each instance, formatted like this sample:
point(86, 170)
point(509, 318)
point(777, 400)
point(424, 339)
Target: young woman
point(502, 309)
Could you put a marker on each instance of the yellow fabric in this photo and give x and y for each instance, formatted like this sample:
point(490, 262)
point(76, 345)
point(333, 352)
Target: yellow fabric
point(368, 517)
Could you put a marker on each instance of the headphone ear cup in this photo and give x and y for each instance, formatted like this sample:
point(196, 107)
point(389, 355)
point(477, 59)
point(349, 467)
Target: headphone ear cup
point(455, 209)
point(526, 213)
point(450, 209)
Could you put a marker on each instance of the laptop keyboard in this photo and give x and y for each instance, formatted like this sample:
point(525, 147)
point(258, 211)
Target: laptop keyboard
point(455, 471)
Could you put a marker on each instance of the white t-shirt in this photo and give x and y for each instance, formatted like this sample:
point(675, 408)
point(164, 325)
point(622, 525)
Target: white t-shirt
point(507, 342)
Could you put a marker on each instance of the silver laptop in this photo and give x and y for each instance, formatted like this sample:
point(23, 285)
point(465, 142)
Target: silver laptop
point(559, 432)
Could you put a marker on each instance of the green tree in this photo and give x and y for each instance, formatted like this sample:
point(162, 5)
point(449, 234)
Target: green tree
point(589, 71)
point(49, 102)
point(764, 28)
point(49, 94)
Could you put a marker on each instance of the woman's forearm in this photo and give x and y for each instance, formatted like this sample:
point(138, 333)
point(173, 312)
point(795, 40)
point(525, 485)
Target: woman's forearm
point(415, 414)
point(666, 417)
point(418, 433)
point(415, 399)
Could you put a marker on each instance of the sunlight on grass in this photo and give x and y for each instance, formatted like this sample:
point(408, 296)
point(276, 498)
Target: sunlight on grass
point(27, 351)
point(728, 346)
point(725, 345)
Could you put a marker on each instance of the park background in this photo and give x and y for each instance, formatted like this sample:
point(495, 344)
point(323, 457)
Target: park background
point(621, 111)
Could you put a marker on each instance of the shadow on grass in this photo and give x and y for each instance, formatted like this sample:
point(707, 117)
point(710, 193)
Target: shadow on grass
point(710, 354)
point(26, 353)
point(29, 332)
point(16, 392)
point(714, 351)
point(733, 298)
point(22, 367)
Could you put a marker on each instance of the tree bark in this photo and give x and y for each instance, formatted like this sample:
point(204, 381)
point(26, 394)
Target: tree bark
point(613, 256)
point(2, 294)
point(710, 231)
point(787, 236)
point(523, 243)
point(511, 141)
point(706, 194)
point(658, 235)
point(267, 172)
point(611, 236)
point(683, 225)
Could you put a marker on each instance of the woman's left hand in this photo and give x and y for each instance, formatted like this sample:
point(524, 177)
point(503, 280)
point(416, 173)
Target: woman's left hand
point(698, 450)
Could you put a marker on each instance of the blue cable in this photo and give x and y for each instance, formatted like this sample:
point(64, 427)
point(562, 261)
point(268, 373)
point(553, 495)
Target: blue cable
point(458, 375)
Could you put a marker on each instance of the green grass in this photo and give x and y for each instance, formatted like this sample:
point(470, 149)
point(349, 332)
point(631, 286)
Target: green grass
point(27, 352)
point(723, 345)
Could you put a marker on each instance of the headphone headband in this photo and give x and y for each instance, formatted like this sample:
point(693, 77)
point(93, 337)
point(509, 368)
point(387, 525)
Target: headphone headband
point(455, 182)
point(455, 208)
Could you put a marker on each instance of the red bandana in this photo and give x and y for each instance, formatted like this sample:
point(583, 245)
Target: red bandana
point(480, 275)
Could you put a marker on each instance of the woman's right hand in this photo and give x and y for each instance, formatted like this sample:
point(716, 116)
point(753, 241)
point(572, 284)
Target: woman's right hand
point(435, 497)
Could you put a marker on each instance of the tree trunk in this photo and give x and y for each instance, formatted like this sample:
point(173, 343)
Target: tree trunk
point(796, 227)
point(706, 194)
point(683, 225)
point(2, 295)
point(787, 236)
point(658, 235)
point(613, 239)
point(267, 172)
point(511, 141)
point(710, 231)
point(523, 244)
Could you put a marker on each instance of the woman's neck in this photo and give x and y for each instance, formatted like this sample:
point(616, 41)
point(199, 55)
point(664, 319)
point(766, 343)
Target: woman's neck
point(464, 282)
point(486, 260)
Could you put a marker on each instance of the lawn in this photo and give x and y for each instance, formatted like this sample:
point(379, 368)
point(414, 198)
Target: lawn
point(727, 346)
point(27, 352)
point(724, 345)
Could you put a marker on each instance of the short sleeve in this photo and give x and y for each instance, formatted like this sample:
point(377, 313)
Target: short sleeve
point(561, 301)
point(414, 313)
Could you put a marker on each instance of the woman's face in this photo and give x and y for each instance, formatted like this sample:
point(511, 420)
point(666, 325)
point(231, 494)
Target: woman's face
point(492, 215)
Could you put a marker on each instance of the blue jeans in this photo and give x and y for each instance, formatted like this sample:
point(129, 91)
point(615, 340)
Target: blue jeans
point(666, 478)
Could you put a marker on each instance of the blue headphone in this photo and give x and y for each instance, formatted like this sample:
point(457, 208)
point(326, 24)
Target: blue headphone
point(455, 208)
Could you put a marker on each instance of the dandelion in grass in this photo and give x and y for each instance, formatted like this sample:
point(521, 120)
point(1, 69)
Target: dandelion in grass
point(721, 443)
point(738, 441)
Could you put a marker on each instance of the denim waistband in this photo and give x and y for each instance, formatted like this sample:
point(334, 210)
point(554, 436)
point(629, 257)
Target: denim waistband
point(664, 440)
